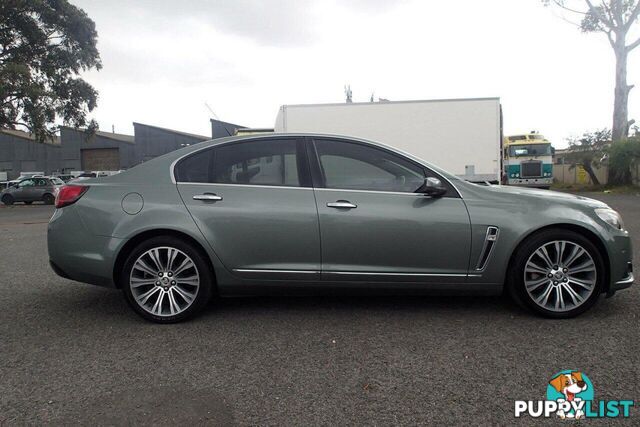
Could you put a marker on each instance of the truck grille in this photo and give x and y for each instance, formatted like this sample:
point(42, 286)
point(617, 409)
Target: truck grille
point(530, 169)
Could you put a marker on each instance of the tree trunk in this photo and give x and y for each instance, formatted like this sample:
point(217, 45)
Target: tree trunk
point(587, 167)
point(620, 129)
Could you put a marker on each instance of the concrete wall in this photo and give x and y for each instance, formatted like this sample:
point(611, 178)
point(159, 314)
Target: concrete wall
point(18, 154)
point(564, 174)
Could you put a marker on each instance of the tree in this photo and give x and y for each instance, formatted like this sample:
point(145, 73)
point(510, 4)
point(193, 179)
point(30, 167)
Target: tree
point(44, 46)
point(614, 18)
point(588, 151)
point(623, 155)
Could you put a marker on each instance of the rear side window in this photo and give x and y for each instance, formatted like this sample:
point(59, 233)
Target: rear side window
point(261, 162)
point(194, 168)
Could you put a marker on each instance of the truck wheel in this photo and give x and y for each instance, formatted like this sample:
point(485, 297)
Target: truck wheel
point(7, 199)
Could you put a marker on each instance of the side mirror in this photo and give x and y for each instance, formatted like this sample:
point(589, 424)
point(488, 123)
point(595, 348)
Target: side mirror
point(432, 187)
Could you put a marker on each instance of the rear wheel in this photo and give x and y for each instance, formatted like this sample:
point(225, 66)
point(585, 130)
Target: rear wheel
point(48, 199)
point(557, 273)
point(7, 199)
point(166, 280)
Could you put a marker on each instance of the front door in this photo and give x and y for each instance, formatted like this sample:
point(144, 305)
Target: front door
point(25, 191)
point(375, 227)
point(254, 204)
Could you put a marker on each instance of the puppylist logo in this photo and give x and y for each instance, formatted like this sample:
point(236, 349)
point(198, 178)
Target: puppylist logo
point(570, 395)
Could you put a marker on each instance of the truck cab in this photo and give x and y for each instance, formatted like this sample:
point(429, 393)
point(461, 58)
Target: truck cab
point(528, 160)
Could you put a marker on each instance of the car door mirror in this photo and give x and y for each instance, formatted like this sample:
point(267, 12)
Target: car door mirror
point(432, 187)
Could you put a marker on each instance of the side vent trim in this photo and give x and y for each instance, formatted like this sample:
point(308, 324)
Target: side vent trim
point(490, 241)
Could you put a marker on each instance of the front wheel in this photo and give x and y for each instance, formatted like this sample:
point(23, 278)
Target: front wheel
point(166, 280)
point(557, 273)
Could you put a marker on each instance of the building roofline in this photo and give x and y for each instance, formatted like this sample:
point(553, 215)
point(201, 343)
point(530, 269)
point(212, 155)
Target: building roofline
point(411, 101)
point(192, 135)
point(227, 123)
point(109, 135)
point(29, 137)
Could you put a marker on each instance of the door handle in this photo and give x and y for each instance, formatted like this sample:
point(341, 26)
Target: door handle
point(207, 197)
point(342, 204)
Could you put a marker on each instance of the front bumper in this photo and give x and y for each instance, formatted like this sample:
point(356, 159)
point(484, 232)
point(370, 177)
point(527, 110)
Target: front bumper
point(531, 182)
point(622, 283)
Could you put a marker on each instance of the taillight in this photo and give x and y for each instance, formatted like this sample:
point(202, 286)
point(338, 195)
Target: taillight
point(69, 194)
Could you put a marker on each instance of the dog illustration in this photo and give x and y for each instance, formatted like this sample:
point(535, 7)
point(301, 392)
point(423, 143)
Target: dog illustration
point(569, 385)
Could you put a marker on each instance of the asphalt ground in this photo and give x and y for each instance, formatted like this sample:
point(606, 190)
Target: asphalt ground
point(76, 354)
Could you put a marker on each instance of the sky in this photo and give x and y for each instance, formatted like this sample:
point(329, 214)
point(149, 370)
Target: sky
point(163, 60)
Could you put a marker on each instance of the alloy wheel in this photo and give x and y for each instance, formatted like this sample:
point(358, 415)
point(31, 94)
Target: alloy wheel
point(164, 281)
point(560, 276)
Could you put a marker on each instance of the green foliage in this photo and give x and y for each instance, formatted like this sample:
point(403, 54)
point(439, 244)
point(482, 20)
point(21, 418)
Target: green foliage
point(622, 156)
point(589, 150)
point(44, 46)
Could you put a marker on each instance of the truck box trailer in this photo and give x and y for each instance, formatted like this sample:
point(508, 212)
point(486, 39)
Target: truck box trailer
point(462, 136)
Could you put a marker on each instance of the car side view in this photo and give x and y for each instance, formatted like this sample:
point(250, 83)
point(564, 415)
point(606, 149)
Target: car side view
point(306, 213)
point(29, 190)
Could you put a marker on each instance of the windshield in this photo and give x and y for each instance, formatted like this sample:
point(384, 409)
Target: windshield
point(530, 150)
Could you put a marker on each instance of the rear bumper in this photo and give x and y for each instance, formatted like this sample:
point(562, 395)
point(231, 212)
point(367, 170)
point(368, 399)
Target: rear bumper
point(77, 254)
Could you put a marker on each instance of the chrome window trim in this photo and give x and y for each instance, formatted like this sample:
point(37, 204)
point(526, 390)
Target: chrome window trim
point(297, 136)
point(400, 193)
point(247, 185)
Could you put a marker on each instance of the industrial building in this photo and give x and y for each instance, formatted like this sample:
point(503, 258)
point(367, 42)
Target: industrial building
point(77, 150)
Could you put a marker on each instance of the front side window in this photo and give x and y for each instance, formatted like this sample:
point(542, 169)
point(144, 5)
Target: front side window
point(358, 167)
point(27, 183)
point(261, 162)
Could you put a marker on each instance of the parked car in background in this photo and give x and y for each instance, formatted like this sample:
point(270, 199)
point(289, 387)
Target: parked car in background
point(311, 213)
point(31, 190)
point(83, 176)
point(64, 177)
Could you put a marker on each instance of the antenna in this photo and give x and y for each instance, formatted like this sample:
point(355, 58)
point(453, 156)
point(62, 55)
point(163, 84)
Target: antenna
point(211, 111)
point(348, 94)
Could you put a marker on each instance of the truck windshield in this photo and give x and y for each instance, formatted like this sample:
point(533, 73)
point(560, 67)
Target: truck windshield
point(530, 150)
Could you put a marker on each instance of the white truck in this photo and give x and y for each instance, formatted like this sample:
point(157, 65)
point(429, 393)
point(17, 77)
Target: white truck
point(462, 136)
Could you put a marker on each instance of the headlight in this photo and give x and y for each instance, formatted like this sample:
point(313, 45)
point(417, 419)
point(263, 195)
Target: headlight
point(611, 217)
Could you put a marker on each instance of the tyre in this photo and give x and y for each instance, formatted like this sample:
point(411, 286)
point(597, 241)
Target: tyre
point(166, 280)
point(557, 273)
point(27, 203)
point(7, 199)
point(48, 199)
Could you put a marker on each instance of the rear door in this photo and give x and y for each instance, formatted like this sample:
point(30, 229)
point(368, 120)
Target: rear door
point(373, 224)
point(254, 204)
point(42, 186)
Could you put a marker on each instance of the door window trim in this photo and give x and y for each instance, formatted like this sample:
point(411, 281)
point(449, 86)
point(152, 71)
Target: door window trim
point(319, 182)
point(302, 163)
